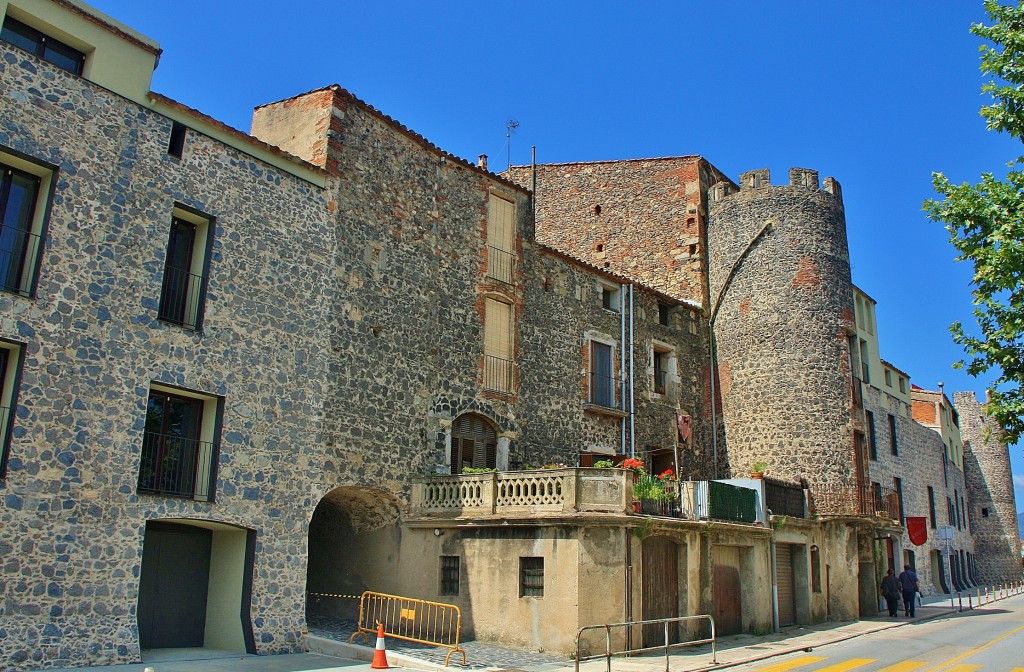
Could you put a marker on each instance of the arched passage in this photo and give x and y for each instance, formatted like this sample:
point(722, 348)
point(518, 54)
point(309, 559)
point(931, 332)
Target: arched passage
point(354, 539)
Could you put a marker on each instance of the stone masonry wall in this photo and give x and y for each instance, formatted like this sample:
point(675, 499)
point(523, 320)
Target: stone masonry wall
point(990, 484)
point(642, 219)
point(919, 465)
point(72, 522)
point(780, 283)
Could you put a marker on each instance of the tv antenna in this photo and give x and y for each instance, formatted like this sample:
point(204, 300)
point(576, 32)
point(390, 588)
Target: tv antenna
point(510, 126)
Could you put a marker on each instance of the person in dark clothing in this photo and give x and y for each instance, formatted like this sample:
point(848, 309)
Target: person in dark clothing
point(908, 582)
point(891, 590)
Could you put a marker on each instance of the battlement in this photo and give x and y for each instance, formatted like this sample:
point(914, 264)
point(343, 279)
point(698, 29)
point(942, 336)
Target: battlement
point(755, 179)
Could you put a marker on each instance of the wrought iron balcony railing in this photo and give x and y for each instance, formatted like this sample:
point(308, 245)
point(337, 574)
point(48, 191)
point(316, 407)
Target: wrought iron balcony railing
point(18, 251)
point(176, 466)
point(499, 374)
point(606, 391)
point(180, 297)
point(501, 265)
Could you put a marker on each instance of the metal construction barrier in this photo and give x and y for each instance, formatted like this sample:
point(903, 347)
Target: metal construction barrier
point(608, 653)
point(419, 621)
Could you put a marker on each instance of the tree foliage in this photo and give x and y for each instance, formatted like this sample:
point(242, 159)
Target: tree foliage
point(986, 225)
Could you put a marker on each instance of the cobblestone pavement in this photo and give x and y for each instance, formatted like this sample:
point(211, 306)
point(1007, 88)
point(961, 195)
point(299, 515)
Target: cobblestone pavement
point(479, 655)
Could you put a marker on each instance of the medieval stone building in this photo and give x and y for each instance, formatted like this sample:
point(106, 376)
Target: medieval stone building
point(240, 372)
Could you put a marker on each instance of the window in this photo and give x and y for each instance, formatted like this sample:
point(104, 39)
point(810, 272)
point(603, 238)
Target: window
point(663, 313)
point(498, 364)
point(931, 506)
point(501, 229)
point(897, 484)
point(865, 369)
point(888, 378)
point(22, 188)
point(893, 447)
point(903, 384)
point(662, 367)
point(876, 496)
point(185, 270)
point(449, 575)
point(45, 47)
point(815, 569)
point(179, 446)
point(984, 512)
point(10, 369)
point(610, 297)
point(176, 144)
point(474, 443)
point(872, 445)
point(531, 577)
point(949, 511)
point(602, 381)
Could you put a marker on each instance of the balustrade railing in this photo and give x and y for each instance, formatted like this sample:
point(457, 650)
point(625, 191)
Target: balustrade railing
point(499, 374)
point(858, 499)
point(175, 466)
point(179, 298)
point(501, 264)
point(606, 391)
point(18, 251)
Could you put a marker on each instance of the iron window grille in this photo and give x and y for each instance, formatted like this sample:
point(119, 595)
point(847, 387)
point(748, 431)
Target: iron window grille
point(449, 575)
point(531, 577)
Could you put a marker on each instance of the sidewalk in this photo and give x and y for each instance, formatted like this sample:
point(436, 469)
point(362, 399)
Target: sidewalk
point(335, 655)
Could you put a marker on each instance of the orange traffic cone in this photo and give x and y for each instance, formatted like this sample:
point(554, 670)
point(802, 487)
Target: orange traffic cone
point(380, 659)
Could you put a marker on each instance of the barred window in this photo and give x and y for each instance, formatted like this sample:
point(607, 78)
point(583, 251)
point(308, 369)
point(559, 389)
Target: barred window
point(531, 577)
point(449, 575)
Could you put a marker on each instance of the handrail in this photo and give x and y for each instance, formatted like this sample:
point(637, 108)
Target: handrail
point(608, 653)
point(411, 619)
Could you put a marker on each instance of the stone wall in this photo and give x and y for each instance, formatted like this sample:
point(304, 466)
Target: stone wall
point(71, 519)
point(990, 484)
point(782, 309)
point(643, 218)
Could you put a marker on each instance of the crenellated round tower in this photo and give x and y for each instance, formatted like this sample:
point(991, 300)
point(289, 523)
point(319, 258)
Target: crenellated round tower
point(782, 315)
point(990, 502)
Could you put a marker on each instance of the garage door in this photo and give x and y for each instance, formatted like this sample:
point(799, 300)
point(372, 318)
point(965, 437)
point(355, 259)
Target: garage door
point(784, 582)
point(173, 586)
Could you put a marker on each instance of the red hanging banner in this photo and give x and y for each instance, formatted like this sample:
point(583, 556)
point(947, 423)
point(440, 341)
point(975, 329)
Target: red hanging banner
point(685, 425)
point(917, 530)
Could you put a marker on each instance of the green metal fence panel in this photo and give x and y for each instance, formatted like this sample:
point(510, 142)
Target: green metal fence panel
point(730, 502)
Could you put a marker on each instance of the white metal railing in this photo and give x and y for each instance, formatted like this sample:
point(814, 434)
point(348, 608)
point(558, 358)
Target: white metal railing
point(666, 645)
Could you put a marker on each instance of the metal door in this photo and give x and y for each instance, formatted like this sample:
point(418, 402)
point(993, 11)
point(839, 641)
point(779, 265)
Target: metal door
point(660, 590)
point(173, 586)
point(784, 583)
point(727, 607)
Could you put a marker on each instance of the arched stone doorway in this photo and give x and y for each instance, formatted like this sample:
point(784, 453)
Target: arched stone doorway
point(354, 539)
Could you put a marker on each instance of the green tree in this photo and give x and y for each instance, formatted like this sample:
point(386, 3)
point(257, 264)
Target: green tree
point(985, 225)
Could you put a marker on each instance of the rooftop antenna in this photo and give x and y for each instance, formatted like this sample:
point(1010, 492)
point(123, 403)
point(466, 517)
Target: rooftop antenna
point(510, 126)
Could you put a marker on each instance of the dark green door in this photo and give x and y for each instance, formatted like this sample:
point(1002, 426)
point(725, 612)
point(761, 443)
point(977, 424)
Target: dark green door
point(173, 586)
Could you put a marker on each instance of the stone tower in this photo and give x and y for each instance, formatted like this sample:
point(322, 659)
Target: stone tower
point(782, 311)
point(993, 515)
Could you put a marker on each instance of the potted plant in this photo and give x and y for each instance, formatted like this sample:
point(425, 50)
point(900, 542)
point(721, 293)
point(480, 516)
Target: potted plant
point(757, 469)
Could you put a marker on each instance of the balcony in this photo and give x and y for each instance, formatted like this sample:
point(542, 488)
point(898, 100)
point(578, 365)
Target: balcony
point(855, 500)
point(501, 265)
point(553, 492)
point(175, 466)
point(179, 299)
point(606, 394)
point(785, 499)
point(499, 374)
point(660, 382)
point(18, 250)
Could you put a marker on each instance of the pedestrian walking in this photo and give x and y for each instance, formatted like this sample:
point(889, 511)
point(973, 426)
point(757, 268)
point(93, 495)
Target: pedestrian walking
point(908, 583)
point(891, 591)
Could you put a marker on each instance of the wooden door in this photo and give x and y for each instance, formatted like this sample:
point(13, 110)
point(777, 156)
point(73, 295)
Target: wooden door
point(727, 602)
point(173, 586)
point(660, 590)
point(784, 584)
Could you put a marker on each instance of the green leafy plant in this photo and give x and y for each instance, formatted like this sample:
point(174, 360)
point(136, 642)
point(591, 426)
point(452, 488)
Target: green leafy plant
point(603, 464)
point(758, 467)
point(477, 470)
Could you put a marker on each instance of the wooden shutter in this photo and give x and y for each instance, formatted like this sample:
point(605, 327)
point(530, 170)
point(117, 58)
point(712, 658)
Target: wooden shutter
point(501, 224)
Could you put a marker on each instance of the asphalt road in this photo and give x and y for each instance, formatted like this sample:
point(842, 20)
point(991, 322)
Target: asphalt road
point(990, 639)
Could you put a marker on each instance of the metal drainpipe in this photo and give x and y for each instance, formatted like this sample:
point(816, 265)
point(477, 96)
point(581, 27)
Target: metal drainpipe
point(632, 405)
point(775, 587)
point(629, 585)
point(714, 413)
point(622, 369)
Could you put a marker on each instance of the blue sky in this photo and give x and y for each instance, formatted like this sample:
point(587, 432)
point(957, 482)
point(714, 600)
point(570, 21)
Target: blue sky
point(877, 95)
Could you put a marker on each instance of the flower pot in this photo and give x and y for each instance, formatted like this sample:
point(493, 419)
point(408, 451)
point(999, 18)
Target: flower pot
point(757, 474)
point(636, 506)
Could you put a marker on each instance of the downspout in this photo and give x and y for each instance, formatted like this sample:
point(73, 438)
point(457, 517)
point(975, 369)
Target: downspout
point(632, 381)
point(622, 370)
point(628, 616)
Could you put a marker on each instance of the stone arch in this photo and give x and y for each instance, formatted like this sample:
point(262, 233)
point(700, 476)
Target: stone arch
point(354, 538)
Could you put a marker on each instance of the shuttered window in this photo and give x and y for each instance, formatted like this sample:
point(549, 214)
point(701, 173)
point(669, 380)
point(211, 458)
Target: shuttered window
point(500, 239)
point(474, 443)
point(498, 369)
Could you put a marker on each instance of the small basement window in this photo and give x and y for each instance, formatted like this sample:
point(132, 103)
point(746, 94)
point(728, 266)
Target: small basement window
point(449, 575)
point(531, 577)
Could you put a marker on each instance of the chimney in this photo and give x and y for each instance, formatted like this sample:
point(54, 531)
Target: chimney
point(481, 162)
